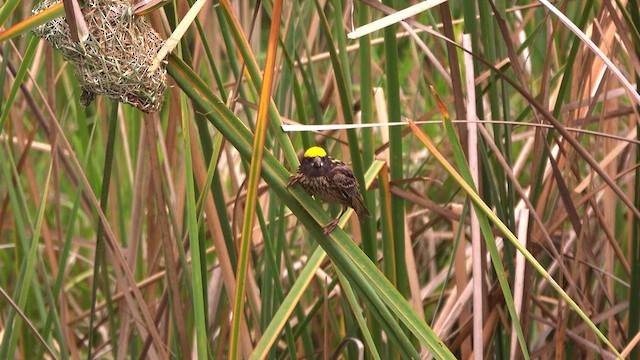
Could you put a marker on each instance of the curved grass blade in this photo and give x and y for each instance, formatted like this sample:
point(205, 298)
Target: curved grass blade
point(485, 227)
point(33, 22)
point(346, 255)
point(481, 207)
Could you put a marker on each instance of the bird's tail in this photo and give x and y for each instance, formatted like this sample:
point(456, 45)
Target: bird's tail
point(358, 205)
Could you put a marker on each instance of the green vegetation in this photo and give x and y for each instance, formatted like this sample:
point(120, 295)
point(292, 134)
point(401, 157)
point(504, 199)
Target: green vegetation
point(173, 234)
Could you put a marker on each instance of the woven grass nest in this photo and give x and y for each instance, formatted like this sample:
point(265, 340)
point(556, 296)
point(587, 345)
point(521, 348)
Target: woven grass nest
point(115, 59)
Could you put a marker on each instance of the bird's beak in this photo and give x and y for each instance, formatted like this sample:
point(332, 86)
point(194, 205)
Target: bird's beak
point(317, 162)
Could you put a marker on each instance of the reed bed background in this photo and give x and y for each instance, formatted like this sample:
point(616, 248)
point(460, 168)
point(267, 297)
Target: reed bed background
point(511, 232)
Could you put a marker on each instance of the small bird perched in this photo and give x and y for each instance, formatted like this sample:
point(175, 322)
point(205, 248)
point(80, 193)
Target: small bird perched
point(331, 181)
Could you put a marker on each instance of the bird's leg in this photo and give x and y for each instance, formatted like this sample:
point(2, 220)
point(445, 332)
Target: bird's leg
point(332, 225)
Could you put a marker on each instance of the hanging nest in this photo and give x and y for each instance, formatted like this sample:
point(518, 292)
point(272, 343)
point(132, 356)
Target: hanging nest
point(114, 61)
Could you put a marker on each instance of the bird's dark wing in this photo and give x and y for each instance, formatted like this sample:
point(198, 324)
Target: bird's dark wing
point(344, 180)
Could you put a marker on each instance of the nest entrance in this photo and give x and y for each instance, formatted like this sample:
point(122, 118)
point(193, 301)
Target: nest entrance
point(116, 58)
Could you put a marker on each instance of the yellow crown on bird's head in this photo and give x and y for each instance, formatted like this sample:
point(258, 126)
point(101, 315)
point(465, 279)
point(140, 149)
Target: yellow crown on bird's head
point(315, 151)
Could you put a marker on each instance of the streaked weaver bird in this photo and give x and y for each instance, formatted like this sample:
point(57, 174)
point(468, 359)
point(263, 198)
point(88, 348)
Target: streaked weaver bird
point(331, 181)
